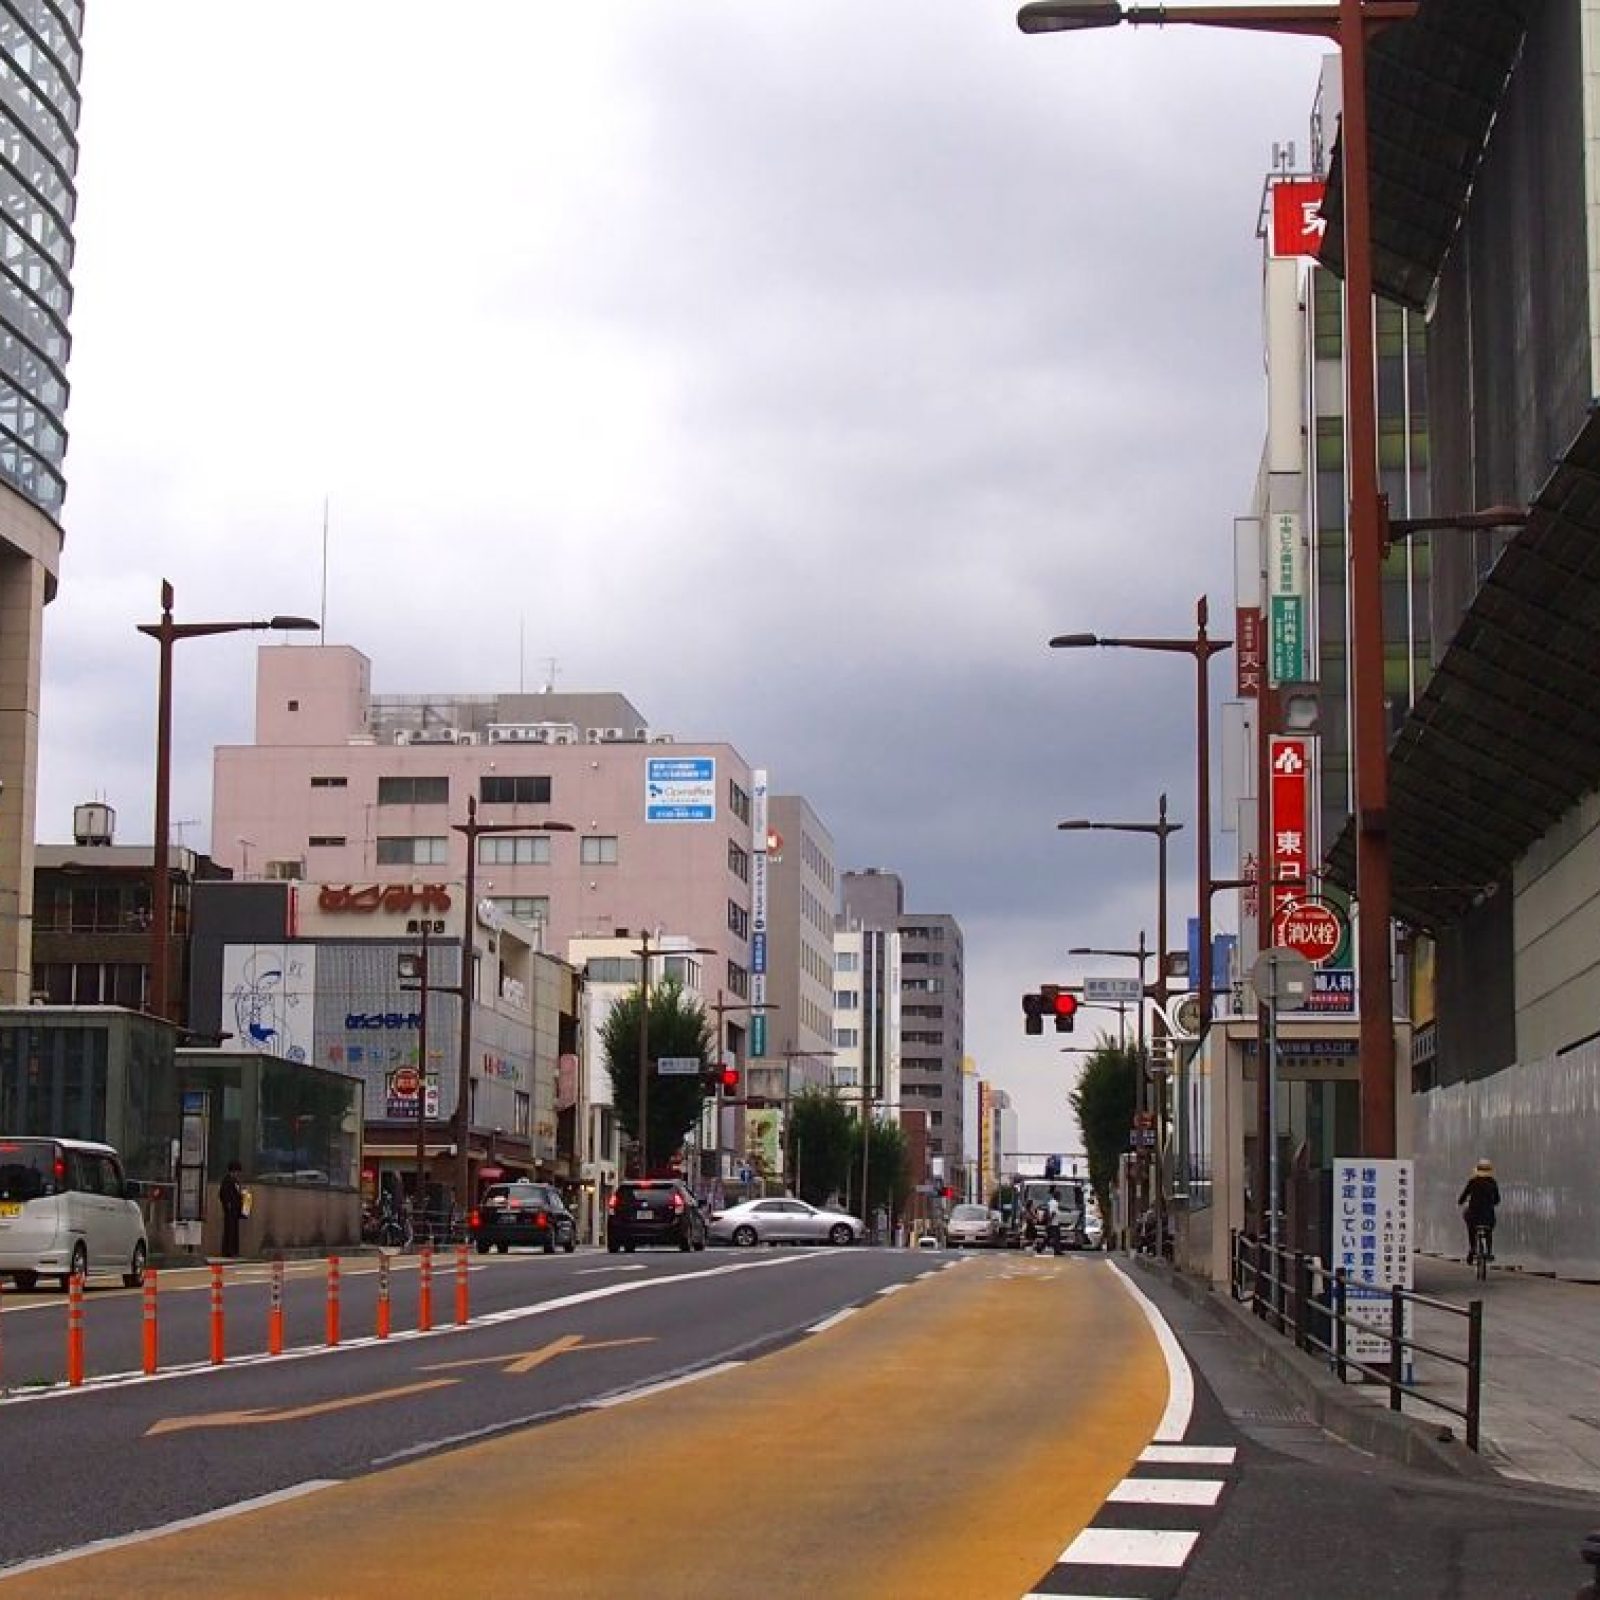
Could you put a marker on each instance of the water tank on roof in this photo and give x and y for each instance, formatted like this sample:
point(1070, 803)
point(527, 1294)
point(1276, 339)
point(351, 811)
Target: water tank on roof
point(93, 823)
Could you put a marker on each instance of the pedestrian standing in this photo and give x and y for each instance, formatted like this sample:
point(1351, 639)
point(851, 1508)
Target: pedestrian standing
point(231, 1194)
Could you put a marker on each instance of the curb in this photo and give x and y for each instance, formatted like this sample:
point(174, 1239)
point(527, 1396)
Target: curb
point(1413, 1441)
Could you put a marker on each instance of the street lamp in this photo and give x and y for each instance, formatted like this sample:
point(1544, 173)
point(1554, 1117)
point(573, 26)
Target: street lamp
point(1202, 647)
point(167, 633)
point(1350, 23)
point(644, 1037)
point(1161, 829)
point(472, 830)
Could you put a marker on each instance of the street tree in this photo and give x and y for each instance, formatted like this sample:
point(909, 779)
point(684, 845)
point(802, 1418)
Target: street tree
point(1105, 1099)
point(675, 1026)
point(823, 1138)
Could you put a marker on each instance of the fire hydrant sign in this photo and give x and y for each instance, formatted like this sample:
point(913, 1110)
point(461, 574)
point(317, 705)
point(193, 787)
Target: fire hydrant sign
point(1373, 1205)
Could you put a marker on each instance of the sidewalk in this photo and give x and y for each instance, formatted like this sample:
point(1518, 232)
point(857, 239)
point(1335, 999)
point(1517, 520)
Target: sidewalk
point(1540, 1416)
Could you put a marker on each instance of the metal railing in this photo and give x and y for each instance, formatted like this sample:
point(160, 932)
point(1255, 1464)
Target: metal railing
point(1304, 1301)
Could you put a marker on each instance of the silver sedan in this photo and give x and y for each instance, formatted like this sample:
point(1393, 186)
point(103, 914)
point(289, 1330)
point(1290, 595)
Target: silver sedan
point(784, 1222)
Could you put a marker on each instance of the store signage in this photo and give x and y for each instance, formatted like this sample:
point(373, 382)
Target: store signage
point(1298, 225)
point(1286, 596)
point(400, 1095)
point(391, 897)
point(1247, 651)
point(1372, 1231)
point(680, 789)
point(1290, 790)
point(1310, 928)
point(355, 1021)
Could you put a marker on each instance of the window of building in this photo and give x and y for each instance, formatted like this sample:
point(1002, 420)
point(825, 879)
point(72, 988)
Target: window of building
point(847, 961)
point(846, 1038)
point(738, 980)
point(329, 783)
point(598, 850)
point(509, 850)
point(525, 789)
point(294, 705)
point(325, 841)
point(612, 969)
point(738, 862)
point(738, 801)
point(413, 791)
point(533, 908)
point(414, 850)
point(846, 999)
point(738, 920)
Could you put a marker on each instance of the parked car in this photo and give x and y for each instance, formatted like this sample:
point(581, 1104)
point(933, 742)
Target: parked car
point(784, 1221)
point(522, 1213)
point(66, 1210)
point(654, 1211)
point(972, 1225)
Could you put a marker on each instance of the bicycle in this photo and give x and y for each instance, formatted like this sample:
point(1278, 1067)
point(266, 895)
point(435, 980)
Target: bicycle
point(394, 1231)
point(1482, 1237)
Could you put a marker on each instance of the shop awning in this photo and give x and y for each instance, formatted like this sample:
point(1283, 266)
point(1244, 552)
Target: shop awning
point(1433, 87)
point(1502, 742)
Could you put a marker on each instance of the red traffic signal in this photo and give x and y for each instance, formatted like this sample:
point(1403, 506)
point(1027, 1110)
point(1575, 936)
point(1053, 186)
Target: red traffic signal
point(728, 1078)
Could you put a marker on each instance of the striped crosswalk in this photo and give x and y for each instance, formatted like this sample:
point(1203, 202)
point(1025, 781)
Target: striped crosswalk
point(1139, 1542)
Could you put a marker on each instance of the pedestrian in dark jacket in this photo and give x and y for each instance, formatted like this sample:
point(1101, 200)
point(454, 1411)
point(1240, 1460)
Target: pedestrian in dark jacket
point(1478, 1201)
point(231, 1194)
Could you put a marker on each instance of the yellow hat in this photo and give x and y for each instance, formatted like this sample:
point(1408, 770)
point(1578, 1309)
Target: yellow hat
point(1486, 1166)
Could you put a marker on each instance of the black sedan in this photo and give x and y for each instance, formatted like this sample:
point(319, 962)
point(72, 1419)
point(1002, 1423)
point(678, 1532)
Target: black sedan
point(522, 1213)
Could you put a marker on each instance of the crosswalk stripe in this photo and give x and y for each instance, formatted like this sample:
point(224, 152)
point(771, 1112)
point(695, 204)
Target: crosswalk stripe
point(1130, 1547)
point(1189, 1455)
point(1167, 1492)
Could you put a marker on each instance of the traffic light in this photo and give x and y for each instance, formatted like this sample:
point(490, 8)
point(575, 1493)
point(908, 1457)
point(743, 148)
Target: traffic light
point(1033, 1013)
point(1065, 1009)
point(728, 1078)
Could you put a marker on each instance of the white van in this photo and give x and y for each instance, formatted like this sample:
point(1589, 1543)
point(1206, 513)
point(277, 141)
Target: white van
point(66, 1208)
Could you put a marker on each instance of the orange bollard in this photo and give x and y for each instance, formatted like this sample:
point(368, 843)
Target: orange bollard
point(333, 1300)
point(152, 1337)
point(275, 1310)
point(218, 1332)
point(461, 1285)
point(75, 1330)
point(425, 1289)
point(383, 1297)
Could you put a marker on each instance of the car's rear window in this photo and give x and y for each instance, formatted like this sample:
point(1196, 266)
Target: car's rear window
point(519, 1196)
point(27, 1168)
point(969, 1214)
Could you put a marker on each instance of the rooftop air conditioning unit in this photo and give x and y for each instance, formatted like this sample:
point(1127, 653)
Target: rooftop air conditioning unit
point(610, 735)
point(434, 736)
point(466, 738)
point(402, 736)
point(563, 736)
point(660, 738)
point(592, 735)
point(640, 735)
point(287, 871)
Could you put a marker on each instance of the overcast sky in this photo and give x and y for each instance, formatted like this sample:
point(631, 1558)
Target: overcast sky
point(797, 371)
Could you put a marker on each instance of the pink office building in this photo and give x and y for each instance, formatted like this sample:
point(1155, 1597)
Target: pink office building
point(344, 786)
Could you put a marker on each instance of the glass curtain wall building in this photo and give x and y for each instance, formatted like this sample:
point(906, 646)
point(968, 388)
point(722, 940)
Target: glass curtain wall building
point(40, 61)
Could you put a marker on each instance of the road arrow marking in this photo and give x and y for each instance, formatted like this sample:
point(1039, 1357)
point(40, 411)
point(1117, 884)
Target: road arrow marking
point(529, 1359)
point(235, 1419)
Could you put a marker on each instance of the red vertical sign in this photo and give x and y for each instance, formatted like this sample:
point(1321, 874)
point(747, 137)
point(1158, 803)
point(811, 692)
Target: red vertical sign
point(1247, 651)
point(1291, 785)
point(1297, 221)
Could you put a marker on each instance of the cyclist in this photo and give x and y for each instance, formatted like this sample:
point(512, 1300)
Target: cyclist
point(1478, 1201)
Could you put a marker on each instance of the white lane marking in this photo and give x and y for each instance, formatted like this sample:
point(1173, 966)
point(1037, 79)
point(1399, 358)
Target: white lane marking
point(1040, 1595)
point(891, 1288)
point(665, 1384)
point(833, 1321)
point(589, 1272)
point(1174, 1421)
point(1131, 1547)
point(1188, 1455)
point(122, 1541)
point(565, 1302)
point(1167, 1492)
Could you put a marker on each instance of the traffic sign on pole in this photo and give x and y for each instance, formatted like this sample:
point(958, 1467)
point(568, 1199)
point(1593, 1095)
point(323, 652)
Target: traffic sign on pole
point(679, 1067)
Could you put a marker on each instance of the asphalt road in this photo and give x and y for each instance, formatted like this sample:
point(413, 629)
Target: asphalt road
point(785, 1423)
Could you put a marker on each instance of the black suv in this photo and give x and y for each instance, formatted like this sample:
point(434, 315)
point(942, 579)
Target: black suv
point(655, 1211)
point(522, 1213)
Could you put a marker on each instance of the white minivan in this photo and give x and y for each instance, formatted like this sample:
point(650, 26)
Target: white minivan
point(65, 1209)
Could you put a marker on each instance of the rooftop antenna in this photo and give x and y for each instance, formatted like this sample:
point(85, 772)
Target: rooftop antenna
point(522, 639)
point(1283, 156)
point(549, 675)
point(178, 827)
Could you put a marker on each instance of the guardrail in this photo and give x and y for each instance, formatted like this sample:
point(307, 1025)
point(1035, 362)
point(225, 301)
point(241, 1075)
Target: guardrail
point(1304, 1301)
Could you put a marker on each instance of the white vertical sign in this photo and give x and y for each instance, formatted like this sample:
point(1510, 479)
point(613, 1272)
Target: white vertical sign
point(758, 911)
point(1373, 1207)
